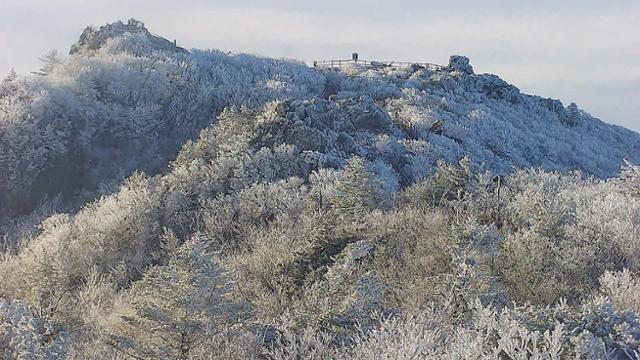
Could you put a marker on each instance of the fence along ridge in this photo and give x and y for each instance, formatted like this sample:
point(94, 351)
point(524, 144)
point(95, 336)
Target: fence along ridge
point(331, 64)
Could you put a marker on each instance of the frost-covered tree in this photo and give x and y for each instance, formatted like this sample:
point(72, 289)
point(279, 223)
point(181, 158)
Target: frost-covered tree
point(362, 213)
point(23, 335)
point(178, 307)
point(623, 288)
point(357, 191)
point(12, 75)
point(630, 178)
point(50, 60)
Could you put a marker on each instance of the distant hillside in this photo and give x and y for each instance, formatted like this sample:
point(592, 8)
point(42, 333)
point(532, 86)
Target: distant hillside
point(127, 99)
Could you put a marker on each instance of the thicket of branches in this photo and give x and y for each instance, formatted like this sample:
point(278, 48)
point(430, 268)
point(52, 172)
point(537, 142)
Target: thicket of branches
point(255, 244)
point(359, 216)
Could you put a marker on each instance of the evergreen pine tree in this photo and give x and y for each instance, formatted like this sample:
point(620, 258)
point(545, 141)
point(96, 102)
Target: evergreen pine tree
point(176, 306)
point(12, 75)
point(630, 178)
point(357, 191)
point(50, 60)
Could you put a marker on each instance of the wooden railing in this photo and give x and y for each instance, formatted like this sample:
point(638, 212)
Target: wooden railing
point(337, 64)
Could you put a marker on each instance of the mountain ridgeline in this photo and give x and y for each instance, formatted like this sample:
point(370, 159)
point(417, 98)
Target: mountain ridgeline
point(164, 203)
point(126, 100)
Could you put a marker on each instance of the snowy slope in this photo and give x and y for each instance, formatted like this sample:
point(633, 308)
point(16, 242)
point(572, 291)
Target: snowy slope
point(126, 100)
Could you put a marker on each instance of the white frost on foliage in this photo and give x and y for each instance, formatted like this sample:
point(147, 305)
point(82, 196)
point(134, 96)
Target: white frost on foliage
point(127, 99)
point(24, 336)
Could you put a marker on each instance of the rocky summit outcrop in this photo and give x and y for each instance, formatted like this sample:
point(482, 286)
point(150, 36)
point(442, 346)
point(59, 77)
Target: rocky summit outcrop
point(93, 39)
point(460, 64)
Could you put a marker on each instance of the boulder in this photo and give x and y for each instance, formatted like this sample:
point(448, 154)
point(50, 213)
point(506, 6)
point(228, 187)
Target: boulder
point(371, 120)
point(572, 115)
point(346, 142)
point(306, 138)
point(460, 64)
point(496, 88)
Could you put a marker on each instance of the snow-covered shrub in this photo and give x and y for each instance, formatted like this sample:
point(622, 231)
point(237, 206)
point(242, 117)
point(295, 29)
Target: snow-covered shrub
point(178, 307)
point(623, 289)
point(23, 335)
point(528, 267)
point(115, 235)
point(229, 220)
point(630, 178)
point(308, 344)
point(412, 250)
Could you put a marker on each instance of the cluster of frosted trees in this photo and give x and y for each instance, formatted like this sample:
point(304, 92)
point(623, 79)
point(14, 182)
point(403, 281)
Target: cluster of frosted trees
point(91, 119)
point(356, 216)
point(260, 243)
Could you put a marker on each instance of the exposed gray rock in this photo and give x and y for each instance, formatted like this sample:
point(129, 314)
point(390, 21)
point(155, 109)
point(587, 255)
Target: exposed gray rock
point(365, 114)
point(346, 142)
point(92, 39)
point(572, 115)
point(496, 88)
point(460, 64)
point(555, 106)
point(371, 120)
point(306, 138)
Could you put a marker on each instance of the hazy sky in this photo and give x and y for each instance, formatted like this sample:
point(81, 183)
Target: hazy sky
point(582, 51)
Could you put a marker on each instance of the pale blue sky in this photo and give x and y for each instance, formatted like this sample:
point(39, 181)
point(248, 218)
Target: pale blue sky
point(581, 51)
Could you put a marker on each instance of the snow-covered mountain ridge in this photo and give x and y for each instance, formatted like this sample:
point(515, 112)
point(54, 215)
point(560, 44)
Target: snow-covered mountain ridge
point(225, 206)
point(126, 100)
